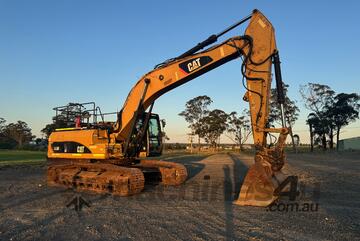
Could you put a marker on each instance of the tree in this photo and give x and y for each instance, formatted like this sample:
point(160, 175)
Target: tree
point(195, 110)
point(239, 127)
point(20, 132)
point(317, 96)
point(48, 129)
point(5, 142)
point(38, 141)
point(290, 109)
point(2, 124)
point(318, 99)
point(344, 110)
point(312, 121)
point(213, 125)
point(319, 128)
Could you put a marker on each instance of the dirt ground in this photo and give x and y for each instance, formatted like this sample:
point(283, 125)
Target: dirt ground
point(201, 209)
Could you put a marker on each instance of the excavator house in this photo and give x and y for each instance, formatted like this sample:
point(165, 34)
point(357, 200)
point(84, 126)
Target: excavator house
point(107, 157)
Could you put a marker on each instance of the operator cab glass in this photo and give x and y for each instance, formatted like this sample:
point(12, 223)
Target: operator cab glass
point(154, 136)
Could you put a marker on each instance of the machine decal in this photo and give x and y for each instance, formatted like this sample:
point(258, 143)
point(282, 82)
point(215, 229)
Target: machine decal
point(195, 63)
point(262, 24)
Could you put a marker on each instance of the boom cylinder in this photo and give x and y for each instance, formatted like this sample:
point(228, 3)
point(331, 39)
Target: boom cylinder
point(213, 38)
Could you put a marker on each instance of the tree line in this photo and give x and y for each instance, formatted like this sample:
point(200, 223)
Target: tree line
point(211, 124)
point(330, 112)
point(16, 135)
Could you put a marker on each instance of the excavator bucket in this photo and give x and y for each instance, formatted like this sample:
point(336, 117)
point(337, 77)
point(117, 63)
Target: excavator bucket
point(259, 186)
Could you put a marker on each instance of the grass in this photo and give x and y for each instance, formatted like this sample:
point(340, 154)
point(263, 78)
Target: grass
point(19, 157)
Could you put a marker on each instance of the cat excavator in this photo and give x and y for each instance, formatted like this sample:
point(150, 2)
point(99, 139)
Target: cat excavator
point(105, 157)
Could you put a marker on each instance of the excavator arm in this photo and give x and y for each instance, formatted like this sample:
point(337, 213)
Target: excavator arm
point(258, 50)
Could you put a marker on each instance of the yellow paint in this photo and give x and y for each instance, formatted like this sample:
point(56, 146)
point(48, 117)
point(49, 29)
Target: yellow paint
point(76, 154)
point(66, 129)
point(99, 155)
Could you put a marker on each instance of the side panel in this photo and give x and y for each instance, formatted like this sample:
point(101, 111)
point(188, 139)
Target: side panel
point(90, 144)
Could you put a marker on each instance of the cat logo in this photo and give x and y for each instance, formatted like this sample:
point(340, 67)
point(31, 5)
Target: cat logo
point(194, 64)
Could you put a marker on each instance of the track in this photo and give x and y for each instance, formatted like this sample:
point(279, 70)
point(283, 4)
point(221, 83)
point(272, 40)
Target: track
point(100, 178)
point(171, 173)
point(117, 180)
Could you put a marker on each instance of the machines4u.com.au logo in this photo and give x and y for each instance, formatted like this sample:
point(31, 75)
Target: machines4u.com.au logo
point(301, 197)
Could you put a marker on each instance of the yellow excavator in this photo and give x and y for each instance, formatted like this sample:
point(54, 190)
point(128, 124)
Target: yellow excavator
point(104, 157)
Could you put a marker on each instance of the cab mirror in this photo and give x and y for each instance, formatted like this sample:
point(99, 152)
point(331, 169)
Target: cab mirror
point(163, 123)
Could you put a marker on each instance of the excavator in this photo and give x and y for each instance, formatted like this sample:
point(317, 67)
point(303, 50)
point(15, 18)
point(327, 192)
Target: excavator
point(105, 157)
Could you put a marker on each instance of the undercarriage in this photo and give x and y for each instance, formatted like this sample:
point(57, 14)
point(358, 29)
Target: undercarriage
point(114, 179)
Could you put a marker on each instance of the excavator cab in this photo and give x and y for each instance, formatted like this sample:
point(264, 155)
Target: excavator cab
point(153, 141)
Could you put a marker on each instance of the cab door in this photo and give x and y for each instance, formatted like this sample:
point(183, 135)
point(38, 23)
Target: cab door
point(154, 145)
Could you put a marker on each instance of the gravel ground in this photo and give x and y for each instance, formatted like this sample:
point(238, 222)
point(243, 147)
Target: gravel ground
point(201, 209)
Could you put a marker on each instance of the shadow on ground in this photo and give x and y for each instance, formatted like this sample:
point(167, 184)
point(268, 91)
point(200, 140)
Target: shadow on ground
point(191, 162)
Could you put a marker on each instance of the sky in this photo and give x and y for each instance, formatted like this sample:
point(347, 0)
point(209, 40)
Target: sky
point(56, 52)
